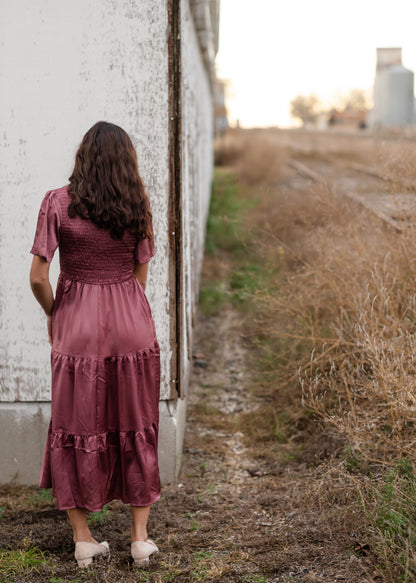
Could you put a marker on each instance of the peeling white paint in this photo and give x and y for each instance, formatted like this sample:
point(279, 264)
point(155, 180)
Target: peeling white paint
point(64, 67)
point(197, 163)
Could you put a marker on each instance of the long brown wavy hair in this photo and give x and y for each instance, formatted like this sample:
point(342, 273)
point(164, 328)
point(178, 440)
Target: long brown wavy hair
point(105, 185)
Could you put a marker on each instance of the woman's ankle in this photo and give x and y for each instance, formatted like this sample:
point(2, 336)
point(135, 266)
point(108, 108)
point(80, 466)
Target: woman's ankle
point(138, 534)
point(83, 537)
point(139, 525)
point(78, 520)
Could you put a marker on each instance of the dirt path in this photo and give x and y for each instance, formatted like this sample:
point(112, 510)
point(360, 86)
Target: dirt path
point(258, 518)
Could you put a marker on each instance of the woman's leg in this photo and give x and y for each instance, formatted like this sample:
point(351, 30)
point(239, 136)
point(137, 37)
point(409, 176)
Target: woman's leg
point(78, 519)
point(139, 526)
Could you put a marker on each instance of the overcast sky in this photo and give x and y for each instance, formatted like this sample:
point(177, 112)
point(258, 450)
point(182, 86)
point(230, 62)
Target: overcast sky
point(271, 50)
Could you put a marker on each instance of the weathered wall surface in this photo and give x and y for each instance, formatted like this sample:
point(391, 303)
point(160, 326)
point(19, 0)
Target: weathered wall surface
point(196, 159)
point(197, 163)
point(63, 67)
point(206, 18)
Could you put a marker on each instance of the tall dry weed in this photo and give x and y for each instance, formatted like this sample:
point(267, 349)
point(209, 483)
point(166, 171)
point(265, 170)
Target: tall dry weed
point(350, 291)
point(363, 382)
point(347, 302)
point(396, 162)
point(338, 317)
point(254, 155)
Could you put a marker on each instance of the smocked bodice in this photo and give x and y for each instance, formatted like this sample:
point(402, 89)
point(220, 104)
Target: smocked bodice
point(87, 253)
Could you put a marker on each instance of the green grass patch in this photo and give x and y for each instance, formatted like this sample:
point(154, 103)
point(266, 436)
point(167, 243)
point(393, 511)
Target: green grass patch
point(247, 275)
point(201, 565)
point(41, 497)
point(20, 562)
point(227, 210)
point(226, 239)
point(246, 280)
point(213, 296)
point(100, 516)
point(246, 266)
point(391, 508)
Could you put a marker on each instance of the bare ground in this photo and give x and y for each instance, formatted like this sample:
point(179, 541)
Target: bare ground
point(234, 516)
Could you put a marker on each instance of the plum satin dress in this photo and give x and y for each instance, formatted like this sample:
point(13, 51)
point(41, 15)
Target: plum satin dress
point(102, 439)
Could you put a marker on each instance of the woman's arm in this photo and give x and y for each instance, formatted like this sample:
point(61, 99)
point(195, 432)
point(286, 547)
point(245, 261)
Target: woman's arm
point(39, 282)
point(140, 271)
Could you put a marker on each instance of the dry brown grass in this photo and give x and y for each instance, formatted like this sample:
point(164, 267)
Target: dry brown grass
point(254, 155)
point(397, 162)
point(340, 315)
point(349, 290)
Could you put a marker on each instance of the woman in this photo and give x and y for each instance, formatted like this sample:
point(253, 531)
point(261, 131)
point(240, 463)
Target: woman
point(102, 440)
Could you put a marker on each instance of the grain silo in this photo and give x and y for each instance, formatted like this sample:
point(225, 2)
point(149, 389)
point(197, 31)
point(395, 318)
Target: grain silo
point(393, 90)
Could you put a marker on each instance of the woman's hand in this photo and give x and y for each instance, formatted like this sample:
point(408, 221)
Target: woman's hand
point(49, 322)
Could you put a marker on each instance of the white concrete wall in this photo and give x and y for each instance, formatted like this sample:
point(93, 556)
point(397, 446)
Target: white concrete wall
point(196, 172)
point(206, 18)
point(197, 164)
point(64, 66)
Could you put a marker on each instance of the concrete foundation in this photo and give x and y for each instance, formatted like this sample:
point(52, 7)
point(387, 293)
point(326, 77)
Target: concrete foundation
point(24, 427)
point(23, 430)
point(171, 431)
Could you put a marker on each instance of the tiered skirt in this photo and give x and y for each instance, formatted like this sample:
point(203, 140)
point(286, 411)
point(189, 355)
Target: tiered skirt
point(102, 439)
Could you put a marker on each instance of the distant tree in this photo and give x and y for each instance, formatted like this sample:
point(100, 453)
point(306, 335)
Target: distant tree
point(306, 108)
point(355, 99)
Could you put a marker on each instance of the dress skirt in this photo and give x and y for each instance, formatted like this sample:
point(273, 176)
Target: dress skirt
point(102, 440)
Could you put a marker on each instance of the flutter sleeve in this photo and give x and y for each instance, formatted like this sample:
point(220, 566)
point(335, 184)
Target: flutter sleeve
point(144, 251)
point(47, 228)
